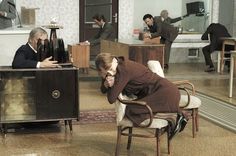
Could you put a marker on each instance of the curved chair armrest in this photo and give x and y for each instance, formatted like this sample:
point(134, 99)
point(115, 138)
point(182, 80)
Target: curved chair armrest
point(188, 95)
point(140, 103)
point(187, 84)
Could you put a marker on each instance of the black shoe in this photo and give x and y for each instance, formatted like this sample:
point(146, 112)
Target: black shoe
point(210, 69)
point(166, 66)
point(181, 122)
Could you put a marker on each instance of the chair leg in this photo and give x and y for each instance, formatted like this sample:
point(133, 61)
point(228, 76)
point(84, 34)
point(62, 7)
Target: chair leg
point(218, 61)
point(129, 138)
point(158, 134)
point(222, 59)
point(197, 120)
point(193, 122)
point(118, 141)
point(168, 136)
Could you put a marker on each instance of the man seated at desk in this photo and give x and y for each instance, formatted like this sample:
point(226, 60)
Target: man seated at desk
point(215, 31)
point(167, 32)
point(26, 55)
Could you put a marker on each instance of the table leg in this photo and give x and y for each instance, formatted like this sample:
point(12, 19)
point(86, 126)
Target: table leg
point(222, 58)
point(231, 76)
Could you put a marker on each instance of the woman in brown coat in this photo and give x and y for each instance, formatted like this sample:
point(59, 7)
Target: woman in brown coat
point(131, 78)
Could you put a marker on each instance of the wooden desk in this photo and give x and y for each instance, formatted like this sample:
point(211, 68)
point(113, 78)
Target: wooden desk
point(37, 95)
point(226, 41)
point(231, 78)
point(135, 50)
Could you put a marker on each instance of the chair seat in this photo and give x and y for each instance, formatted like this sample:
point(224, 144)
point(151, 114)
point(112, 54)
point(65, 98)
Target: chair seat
point(156, 123)
point(195, 102)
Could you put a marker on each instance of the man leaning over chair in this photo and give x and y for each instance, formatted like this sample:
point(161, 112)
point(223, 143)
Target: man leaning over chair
point(120, 75)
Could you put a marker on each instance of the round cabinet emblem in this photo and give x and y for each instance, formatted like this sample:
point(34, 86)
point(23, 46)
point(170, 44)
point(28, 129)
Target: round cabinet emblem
point(56, 94)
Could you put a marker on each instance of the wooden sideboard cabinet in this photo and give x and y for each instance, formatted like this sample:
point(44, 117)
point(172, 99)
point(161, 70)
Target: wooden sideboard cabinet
point(80, 56)
point(37, 95)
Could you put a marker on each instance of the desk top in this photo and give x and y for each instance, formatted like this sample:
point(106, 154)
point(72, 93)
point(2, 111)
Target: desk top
point(233, 52)
point(14, 30)
point(135, 42)
point(228, 38)
point(10, 69)
point(229, 41)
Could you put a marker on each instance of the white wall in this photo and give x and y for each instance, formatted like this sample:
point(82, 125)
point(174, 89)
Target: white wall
point(130, 14)
point(65, 11)
point(226, 15)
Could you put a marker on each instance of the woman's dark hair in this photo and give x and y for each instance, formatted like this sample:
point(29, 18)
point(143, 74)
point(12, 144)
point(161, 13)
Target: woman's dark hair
point(147, 16)
point(99, 17)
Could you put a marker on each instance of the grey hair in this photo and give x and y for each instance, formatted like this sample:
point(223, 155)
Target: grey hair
point(36, 30)
point(163, 13)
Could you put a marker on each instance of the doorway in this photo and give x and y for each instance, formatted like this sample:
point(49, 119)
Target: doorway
point(88, 8)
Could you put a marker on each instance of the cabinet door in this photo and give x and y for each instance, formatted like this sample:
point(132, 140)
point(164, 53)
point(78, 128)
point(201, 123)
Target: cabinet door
point(56, 94)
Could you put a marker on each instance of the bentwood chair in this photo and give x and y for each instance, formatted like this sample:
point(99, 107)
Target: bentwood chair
point(125, 127)
point(189, 103)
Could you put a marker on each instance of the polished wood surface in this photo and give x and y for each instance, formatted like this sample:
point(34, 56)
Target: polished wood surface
point(35, 95)
point(80, 55)
point(135, 50)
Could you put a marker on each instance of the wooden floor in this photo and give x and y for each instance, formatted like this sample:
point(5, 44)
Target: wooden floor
point(100, 139)
point(212, 84)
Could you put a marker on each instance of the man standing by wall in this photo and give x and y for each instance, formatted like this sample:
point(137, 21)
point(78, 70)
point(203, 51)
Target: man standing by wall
point(7, 13)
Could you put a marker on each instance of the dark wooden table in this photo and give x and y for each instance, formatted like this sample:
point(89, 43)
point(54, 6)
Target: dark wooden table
point(38, 95)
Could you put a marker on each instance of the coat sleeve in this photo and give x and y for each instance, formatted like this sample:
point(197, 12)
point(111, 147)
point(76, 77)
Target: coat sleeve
point(121, 81)
point(205, 34)
point(11, 11)
point(174, 20)
point(158, 31)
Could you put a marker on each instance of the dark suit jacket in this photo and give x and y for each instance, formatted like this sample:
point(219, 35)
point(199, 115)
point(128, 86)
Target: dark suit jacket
point(166, 31)
point(107, 32)
point(215, 31)
point(11, 13)
point(169, 20)
point(25, 57)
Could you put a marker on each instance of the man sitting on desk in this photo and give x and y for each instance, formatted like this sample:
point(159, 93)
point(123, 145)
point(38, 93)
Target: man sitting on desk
point(215, 31)
point(160, 29)
point(26, 55)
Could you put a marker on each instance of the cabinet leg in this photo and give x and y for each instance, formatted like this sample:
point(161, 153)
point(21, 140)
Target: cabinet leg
point(65, 123)
point(4, 130)
point(70, 125)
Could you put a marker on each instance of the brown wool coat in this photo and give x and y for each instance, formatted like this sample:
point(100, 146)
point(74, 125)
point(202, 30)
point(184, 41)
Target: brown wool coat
point(134, 78)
